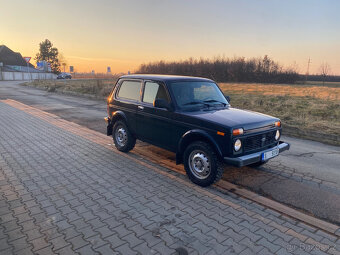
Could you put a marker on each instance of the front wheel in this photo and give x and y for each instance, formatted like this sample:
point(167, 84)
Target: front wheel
point(123, 139)
point(202, 164)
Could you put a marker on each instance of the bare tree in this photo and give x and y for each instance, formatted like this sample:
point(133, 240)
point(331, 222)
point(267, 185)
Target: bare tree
point(325, 70)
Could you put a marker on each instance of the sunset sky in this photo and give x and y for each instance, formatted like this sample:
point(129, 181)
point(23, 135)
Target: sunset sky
point(92, 35)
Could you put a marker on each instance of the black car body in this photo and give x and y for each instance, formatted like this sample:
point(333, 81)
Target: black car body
point(163, 122)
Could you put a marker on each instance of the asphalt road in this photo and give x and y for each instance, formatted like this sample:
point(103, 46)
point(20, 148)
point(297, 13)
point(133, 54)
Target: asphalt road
point(306, 177)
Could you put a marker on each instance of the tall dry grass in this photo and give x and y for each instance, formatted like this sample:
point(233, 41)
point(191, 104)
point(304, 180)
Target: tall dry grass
point(309, 112)
point(330, 92)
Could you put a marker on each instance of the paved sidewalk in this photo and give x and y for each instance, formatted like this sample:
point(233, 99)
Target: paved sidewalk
point(65, 190)
point(309, 169)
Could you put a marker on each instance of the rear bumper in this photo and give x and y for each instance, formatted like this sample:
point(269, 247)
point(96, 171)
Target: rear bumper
point(255, 157)
point(109, 126)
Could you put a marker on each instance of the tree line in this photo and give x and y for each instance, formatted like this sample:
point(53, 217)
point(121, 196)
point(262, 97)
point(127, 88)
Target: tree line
point(320, 77)
point(264, 70)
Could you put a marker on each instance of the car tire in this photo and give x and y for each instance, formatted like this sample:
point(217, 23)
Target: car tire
point(258, 164)
point(202, 164)
point(122, 137)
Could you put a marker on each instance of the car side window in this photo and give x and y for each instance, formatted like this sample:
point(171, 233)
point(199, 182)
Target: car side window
point(130, 90)
point(152, 91)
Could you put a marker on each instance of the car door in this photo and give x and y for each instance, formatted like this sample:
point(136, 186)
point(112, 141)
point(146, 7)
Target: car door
point(127, 99)
point(154, 125)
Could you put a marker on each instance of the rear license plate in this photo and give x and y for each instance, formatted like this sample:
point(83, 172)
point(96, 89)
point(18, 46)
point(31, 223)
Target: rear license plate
point(270, 154)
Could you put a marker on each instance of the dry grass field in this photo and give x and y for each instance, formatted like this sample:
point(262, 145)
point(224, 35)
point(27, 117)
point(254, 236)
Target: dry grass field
point(308, 110)
point(316, 91)
point(99, 88)
point(320, 83)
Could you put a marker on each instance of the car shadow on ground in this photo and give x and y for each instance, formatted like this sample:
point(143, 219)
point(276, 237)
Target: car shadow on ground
point(273, 180)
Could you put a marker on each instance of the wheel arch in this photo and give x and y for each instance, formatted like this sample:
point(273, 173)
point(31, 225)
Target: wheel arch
point(192, 136)
point(117, 115)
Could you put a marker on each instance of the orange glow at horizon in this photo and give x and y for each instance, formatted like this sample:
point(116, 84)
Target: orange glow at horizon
point(125, 34)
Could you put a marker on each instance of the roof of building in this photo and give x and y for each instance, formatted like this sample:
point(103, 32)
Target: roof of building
point(9, 57)
point(164, 78)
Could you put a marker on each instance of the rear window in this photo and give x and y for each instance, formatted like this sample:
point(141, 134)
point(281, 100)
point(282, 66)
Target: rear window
point(130, 90)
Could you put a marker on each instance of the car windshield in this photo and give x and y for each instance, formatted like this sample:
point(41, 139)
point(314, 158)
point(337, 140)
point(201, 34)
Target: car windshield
point(197, 93)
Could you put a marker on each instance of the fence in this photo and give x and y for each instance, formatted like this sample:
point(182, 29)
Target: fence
point(21, 76)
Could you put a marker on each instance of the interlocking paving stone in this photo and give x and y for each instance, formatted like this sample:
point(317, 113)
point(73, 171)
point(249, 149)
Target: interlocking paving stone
point(284, 236)
point(144, 249)
point(66, 251)
point(45, 251)
point(132, 240)
point(4, 245)
point(39, 243)
point(64, 190)
point(78, 242)
point(115, 241)
point(272, 247)
point(125, 249)
point(59, 242)
point(86, 250)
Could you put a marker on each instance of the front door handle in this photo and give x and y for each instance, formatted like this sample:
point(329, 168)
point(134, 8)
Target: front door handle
point(140, 107)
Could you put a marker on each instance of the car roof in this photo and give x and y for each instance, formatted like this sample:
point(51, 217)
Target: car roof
point(164, 78)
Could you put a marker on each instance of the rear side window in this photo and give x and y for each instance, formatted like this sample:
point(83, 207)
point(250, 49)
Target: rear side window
point(130, 90)
point(154, 91)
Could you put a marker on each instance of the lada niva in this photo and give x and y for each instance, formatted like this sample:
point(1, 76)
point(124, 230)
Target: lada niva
point(191, 117)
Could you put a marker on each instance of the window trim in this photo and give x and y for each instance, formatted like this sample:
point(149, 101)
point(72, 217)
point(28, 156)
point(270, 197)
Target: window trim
point(128, 99)
point(160, 84)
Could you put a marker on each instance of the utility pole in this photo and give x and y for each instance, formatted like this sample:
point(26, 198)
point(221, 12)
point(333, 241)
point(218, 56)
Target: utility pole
point(307, 73)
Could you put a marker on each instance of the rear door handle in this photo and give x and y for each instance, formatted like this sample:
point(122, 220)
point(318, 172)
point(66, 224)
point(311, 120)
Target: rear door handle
point(140, 107)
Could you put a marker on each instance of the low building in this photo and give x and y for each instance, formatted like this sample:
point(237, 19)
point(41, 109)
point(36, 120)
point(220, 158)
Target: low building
point(14, 67)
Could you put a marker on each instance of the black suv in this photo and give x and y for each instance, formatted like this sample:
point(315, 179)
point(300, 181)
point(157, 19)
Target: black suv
point(191, 117)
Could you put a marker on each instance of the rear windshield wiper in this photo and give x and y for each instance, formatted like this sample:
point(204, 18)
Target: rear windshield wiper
point(214, 101)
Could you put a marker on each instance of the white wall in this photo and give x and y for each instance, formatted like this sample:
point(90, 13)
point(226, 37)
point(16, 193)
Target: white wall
point(21, 76)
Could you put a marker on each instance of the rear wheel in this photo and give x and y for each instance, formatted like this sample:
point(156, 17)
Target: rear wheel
point(123, 139)
point(202, 164)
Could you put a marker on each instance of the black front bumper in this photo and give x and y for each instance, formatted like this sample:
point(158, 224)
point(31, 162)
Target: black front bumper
point(254, 157)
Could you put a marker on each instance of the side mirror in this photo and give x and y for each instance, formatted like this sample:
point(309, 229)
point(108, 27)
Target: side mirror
point(228, 98)
point(161, 103)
